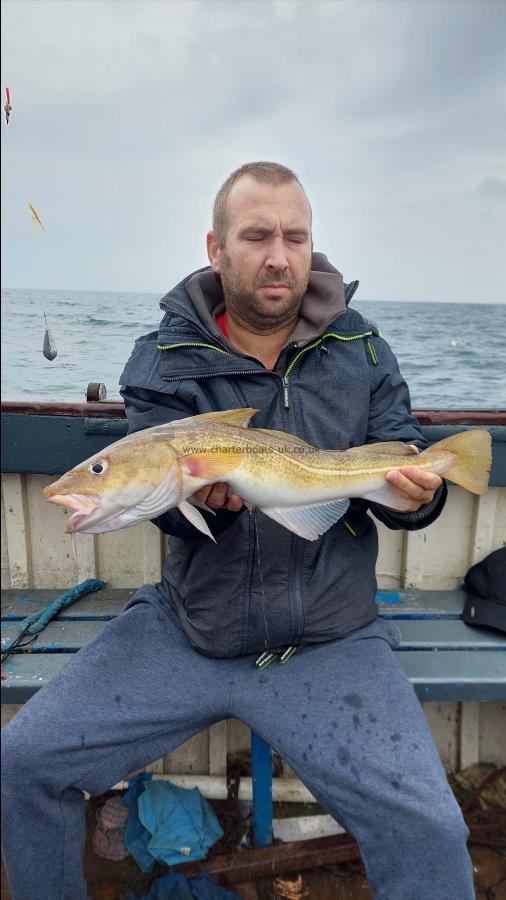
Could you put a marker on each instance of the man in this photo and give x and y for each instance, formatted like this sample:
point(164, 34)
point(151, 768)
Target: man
point(267, 326)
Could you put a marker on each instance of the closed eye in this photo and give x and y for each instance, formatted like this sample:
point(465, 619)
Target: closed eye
point(293, 240)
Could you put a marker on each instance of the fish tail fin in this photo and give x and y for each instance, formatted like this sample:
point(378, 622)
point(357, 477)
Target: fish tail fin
point(473, 459)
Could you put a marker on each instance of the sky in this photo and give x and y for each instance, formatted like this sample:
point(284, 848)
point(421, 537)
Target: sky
point(129, 114)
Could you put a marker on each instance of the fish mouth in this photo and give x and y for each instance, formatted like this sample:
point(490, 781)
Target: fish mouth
point(83, 504)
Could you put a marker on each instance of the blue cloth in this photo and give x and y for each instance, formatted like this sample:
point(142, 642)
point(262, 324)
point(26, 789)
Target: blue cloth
point(167, 823)
point(136, 836)
point(177, 887)
point(205, 888)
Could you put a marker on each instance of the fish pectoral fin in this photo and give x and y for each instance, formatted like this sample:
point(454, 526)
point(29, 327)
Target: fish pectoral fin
point(211, 465)
point(308, 522)
point(201, 505)
point(196, 519)
point(386, 496)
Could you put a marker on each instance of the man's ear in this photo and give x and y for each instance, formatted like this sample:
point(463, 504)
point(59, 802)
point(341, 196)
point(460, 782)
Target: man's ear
point(213, 251)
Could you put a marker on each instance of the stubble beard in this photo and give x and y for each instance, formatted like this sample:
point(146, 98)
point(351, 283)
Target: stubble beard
point(247, 308)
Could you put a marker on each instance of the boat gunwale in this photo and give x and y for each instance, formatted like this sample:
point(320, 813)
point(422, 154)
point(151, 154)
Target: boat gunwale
point(106, 409)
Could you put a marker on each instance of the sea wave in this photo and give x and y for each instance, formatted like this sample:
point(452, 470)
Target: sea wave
point(451, 354)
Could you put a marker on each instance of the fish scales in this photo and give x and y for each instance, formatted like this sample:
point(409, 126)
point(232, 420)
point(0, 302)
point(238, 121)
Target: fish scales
point(274, 457)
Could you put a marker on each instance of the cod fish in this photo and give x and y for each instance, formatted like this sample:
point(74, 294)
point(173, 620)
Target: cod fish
point(302, 488)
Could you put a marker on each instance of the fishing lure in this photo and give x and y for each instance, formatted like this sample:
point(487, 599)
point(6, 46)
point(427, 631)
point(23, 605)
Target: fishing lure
point(36, 217)
point(8, 106)
point(49, 348)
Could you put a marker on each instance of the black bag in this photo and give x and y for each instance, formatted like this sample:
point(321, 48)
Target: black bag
point(485, 584)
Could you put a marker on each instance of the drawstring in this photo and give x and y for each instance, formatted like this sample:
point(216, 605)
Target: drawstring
point(253, 513)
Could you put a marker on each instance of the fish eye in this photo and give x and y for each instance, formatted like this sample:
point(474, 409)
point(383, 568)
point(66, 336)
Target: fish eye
point(98, 468)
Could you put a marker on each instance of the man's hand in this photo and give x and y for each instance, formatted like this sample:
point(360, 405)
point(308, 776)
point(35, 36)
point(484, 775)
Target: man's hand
point(218, 496)
point(414, 484)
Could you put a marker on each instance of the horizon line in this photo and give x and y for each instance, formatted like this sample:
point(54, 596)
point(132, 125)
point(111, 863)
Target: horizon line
point(161, 295)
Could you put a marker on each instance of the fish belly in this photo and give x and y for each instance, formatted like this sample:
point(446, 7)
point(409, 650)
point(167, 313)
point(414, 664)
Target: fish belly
point(270, 492)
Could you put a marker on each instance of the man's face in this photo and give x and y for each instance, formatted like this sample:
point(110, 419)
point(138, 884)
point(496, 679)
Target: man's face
point(265, 263)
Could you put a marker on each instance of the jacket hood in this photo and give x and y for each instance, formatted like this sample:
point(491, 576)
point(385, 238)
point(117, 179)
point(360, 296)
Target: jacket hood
point(325, 299)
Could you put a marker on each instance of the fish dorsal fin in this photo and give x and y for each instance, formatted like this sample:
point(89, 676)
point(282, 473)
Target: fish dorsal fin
point(382, 448)
point(288, 438)
point(308, 521)
point(237, 418)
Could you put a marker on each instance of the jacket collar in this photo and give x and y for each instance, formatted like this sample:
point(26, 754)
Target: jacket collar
point(199, 298)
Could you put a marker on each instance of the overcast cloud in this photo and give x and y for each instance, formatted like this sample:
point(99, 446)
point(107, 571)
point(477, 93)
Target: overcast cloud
point(129, 114)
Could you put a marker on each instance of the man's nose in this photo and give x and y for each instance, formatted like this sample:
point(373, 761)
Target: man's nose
point(276, 256)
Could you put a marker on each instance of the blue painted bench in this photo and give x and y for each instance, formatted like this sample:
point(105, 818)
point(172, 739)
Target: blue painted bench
point(443, 657)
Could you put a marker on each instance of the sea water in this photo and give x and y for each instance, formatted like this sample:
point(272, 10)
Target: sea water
point(452, 355)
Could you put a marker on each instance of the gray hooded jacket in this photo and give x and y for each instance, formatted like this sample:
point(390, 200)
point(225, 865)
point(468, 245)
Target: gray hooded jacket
point(336, 384)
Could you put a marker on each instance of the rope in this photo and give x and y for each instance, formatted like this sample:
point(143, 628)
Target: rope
point(37, 621)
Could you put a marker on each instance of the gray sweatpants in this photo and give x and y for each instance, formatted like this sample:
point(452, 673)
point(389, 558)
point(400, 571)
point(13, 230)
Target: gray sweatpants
point(342, 714)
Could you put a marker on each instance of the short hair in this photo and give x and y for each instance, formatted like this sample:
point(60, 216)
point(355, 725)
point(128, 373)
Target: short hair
point(266, 172)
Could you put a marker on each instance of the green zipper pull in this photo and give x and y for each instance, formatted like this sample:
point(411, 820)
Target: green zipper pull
point(372, 352)
point(286, 398)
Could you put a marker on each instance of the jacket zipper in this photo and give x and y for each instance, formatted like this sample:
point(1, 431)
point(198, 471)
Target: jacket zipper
point(339, 337)
point(297, 544)
point(299, 549)
point(203, 374)
point(286, 376)
point(192, 344)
